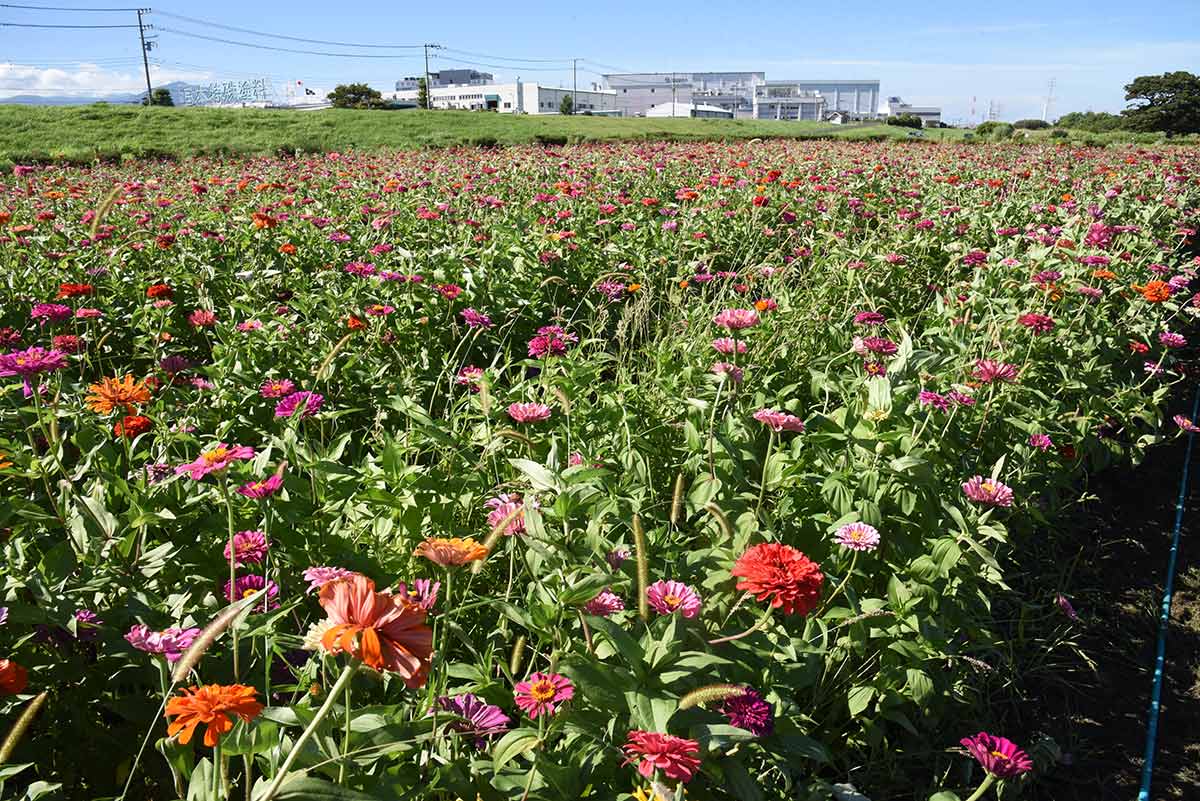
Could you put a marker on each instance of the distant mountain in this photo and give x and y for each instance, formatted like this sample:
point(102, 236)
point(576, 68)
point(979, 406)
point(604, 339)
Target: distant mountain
point(175, 87)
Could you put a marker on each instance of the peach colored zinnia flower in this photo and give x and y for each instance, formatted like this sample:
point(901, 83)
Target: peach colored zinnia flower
point(381, 630)
point(452, 551)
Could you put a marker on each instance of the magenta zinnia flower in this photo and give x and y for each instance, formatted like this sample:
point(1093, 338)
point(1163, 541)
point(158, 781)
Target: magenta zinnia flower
point(529, 412)
point(215, 460)
point(262, 489)
point(247, 585)
point(1041, 441)
point(475, 319)
point(479, 720)
point(727, 370)
point(727, 345)
point(750, 711)
point(551, 340)
point(50, 312)
point(604, 604)
point(171, 642)
point(939, 402)
point(736, 319)
point(248, 547)
point(869, 318)
point(1037, 323)
point(542, 693)
point(423, 592)
point(674, 756)
point(1172, 340)
point(857, 537)
point(504, 505)
point(30, 362)
point(779, 421)
point(988, 491)
point(880, 345)
point(668, 597)
point(1186, 424)
point(987, 371)
point(304, 403)
point(998, 756)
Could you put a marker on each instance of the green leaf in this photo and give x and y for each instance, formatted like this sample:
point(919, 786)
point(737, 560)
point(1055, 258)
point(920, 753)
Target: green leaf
point(512, 745)
point(858, 699)
point(299, 787)
point(944, 795)
point(920, 686)
point(541, 477)
point(738, 781)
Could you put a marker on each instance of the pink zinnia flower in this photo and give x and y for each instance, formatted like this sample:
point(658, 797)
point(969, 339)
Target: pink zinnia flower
point(617, 557)
point(857, 537)
point(88, 314)
point(504, 505)
point(987, 371)
point(171, 642)
point(248, 547)
point(998, 756)
point(869, 318)
point(215, 460)
point(1186, 424)
point(318, 576)
point(477, 719)
point(779, 421)
point(276, 388)
point(245, 586)
point(31, 361)
point(249, 325)
point(604, 604)
point(1172, 340)
point(880, 345)
point(674, 756)
point(736, 319)
point(542, 693)
point(551, 340)
point(939, 402)
point(988, 491)
point(1041, 441)
point(529, 412)
point(727, 370)
point(728, 345)
point(1037, 323)
point(305, 403)
point(202, 318)
point(669, 597)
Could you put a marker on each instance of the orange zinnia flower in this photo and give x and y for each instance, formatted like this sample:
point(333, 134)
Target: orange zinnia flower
point(287, 249)
point(1104, 275)
point(113, 393)
point(211, 704)
point(13, 677)
point(451, 552)
point(381, 630)
point(1155, 291)
point(4, 462)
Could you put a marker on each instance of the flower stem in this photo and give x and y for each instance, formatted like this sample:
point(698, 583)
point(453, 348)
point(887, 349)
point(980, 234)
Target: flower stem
point(322, 713)
point(345, 739)
point(841, 586)
point(762, 621)
point(232, 567)
point(762, 490)
point(983, 788)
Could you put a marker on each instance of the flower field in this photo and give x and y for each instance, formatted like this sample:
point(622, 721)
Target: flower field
point(607, 471)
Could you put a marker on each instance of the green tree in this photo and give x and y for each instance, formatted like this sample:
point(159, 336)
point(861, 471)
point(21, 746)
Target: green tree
point(1031, 125)
point(567, 106)
point(355, 95)
point(1092, 121)
point(905, 120)
point(422, 93)
point(1169, 102)
point(160, 97)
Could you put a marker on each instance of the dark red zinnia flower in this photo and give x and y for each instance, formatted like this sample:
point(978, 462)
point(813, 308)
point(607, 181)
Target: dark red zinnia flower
point(74, 290)
point(781, 575)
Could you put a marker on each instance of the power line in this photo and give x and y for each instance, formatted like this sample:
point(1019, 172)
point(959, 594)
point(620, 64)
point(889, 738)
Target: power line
point(196, 21)
point(563, 68)
point(271, 47)
point(61, 8)
point(509, 58)
point(30, 25)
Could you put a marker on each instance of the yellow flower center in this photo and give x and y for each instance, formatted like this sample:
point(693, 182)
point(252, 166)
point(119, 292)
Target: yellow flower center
point(672, 600)
point(988, 487)
point(542, 691)
point(999, 755)
point(215, 455)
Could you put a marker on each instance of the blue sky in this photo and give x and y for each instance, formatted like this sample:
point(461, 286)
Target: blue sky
point(930, 53)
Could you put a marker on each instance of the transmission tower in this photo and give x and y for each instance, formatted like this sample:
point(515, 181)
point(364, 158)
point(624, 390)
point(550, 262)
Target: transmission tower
point(1049, 102)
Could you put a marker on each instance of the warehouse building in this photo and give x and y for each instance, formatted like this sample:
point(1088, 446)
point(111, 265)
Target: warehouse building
point(786, 100)
point(859, 98)
point(514, 98)
point(689, 110)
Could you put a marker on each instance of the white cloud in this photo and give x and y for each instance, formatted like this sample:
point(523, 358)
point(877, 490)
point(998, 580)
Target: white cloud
point(86, 79)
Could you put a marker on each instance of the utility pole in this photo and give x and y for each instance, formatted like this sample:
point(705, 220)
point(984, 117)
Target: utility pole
point(428, 88)
point(145, 50)
point(672, 93)
point(574, 89)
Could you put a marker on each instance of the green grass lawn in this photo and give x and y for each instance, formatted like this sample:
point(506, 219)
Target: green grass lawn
point(83, 133)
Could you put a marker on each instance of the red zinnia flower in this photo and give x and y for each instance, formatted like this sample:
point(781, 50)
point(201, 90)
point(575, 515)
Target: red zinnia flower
point(781, 574)
point(132, 426)
point(159, 291)
point(13, 677)
point(674, 756)
point(74, 290)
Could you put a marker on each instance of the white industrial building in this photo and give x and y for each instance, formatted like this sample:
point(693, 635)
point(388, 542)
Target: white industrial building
point(515, 98)
point(930, 115)
point(446, 78)
point(859, 98)
point(732, 91)
point(786, 100)
point(692, 109)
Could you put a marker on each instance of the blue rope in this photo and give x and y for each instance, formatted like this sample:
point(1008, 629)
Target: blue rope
point(1160, 657)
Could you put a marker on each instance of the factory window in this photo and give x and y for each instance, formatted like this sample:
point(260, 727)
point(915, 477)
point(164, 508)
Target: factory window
point(624, 91)
point(507, 104)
